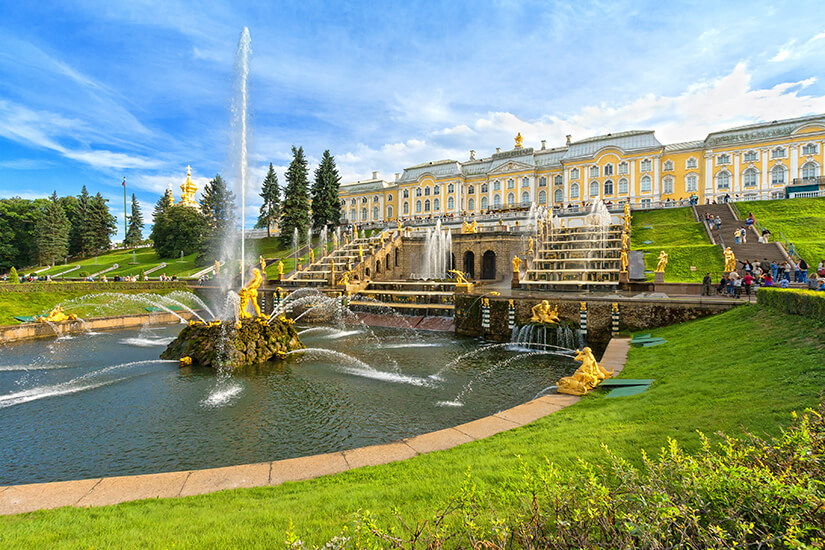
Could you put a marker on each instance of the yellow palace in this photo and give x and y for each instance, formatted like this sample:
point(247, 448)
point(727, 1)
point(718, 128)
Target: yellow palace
point(758, 161)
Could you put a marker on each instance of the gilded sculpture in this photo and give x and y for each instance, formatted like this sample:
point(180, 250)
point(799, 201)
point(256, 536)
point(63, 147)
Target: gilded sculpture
point(516, 264)
point(263, 264)
point(361, 252)
point(623, 255)
point(730, 260)
point(334, 241)
point(625, 241)
point(56, 315)
point(460, 277)
point(530, 246)
point(660, 267)
point(519, 140)
point(249, 293)
point(280, 268)
point(626, 219)
point(544, 314)
point(344, 281)
point(586, 377)
point(311, 256)
point(382, 239)
point(469, 227)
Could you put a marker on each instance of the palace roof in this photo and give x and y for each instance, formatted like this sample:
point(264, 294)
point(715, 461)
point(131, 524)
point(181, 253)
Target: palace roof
point(761, 131)
point(634, 140)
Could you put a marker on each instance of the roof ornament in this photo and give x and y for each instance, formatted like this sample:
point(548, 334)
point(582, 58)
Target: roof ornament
point(519, 140)
point(188, 189)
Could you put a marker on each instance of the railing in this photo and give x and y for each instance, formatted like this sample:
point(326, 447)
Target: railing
point(805, 194)
point(820, 180)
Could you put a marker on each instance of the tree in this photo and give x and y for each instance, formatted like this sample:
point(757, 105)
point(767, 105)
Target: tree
point(295, 209)
point(162, 205)
point(17, 222)
point(271, 208)
point(134, 234)
point(14, 278)
point(102, 224)
point(326, 210)
point(218, 209)
point(85, 236)
point(52, 232)
point(71, 206)
point(179, 228)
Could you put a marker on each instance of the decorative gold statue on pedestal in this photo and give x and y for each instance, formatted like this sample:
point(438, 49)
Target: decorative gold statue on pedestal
point(542, 313)
point(280, 268)
point(586, 377)
point(382, 239)
point(516, 264)
point(249, 293)
point(530, 246)
point(399, 225)
point(625, 241)
point(519, 140)
point(344, 280)
point(730, 260)
point(56, 315)
point(334, 241)
point(361, 252)
point(460, 278)
point(311, 256)
point(660, 267)
point(469, 227)
point(263, 264)
point(623, 256)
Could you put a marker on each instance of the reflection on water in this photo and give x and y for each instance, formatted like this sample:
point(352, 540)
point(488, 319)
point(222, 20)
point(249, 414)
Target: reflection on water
point(105, 405)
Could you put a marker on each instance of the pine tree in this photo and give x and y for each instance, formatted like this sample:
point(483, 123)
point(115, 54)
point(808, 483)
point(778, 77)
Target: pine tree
point(85, 224)
point(134, 234)
point(271, 208)
point(52, 232)
point(218, 209)
point(162, 205)
point(295, 209)
point(326, 210)
point(103, 224)
point(71, 206)
point(14, 278)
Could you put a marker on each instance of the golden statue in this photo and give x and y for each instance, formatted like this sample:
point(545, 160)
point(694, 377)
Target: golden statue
point(263, 264)
point(469, 227)
point(614, 307)
point(280, 268)
point(625, 241)
point(460, 277)
point(382, 239)
point(361, 252)
point(188, 190)
point(730, 260)
point(626, 220)
point(582, 306)
point(399, 225)
point(57, 315)
point(311, 256)
point(626, 208)
point(344, 280)
point(624, 261)
point(516, 264)
point(216, 268)
point(334, 241)
point(519, 140)
point(249, 293)
point(660, 267)
point(355, 234)
point(530, 246)
point(332, 266)
point(586, 377)
point(543, 314)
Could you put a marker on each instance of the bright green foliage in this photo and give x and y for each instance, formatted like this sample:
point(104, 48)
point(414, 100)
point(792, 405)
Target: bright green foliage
point(14, 278)
point(134, 235)
point(166, 200)
point(800, 221)
point(179, 229)
point(218, 209)
point(271, 208)
point(326, 210)
point(810, 303)
point(17, 222)
point(102, 224)
point(295, 209)
point(52, 232)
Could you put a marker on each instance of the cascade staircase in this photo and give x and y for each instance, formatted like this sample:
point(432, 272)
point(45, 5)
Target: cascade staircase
point(408, 297)
point(578, 258)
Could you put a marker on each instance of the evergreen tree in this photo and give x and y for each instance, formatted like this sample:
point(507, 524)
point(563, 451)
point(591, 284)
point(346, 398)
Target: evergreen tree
point(295, 209)
point(52, 232)
point(134, 234)
point(71, 206)
point(14, 278)
point(218, 209)
point(163, 203)
point(86, 234)
point(179, 228)
point(103, 224)
point(271, 208)
point(326, 210)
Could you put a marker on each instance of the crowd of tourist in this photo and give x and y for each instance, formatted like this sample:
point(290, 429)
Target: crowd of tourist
point(753, 274)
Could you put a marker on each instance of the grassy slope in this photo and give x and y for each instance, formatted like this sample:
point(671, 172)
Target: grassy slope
point(731, 372)
point(675, 231)
point(802, 221)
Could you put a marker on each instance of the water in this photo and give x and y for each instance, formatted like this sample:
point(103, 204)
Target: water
point(438, 248)
point(105, 405)
point(240, 124)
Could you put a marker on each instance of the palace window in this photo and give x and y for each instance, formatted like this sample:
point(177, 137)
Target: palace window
point(574, 191)
point(594, 171)
point(525, 182)
point(723, 159)
point(809, 149)
point(574, 173)
point(450, 203)
point(450, 188)
point(608, 169)
point(484, 203)
point(511, 199)
point(646, 203)
point(624, 168)
point(691, 163)
point(375, 212)
point(778, 175)
point(594, 189)
point(406, 194)
point(484, 187)
point(558, 196)
point(471, 190)
point(558, 180)
point(353, 215)
point(406, 208)
point(750, 178)
point(496, 185)
point(511, 183)
point(668, 165)
point(427, 205)
point(496, 201)
point(542, 182)
point(751, 156)
point(419, 192)
point(809, 171)
point(375, 198)
point(426, 191)
point(667, 186)
point(691, 183)
point(471, 204)
point(417, 207)
point(436, 205)
point(525, 196)
point(363, 200)
point(389, 212)
point(623, 186)
point(723, 180)
point(437, 190)
point(542, 197)
point(647, 184)
point(389, 198)
point(646, 165)
point(363, 214)
point(608, 187)
point(778, 153)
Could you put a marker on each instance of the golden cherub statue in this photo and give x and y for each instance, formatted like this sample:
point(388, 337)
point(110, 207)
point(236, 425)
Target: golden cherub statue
point(623, 257)
point(625, 241)
point(460, 277)
point(586, 377)
point(469, 227)
point(516, 264)
point(280, 268)
point(730, 260)
point(660, 267)
point(627, 219)
point(249, 293)
point(530, 246)
point(519, 140)
point(344, 280)
point(56, 315)
point(542, 313)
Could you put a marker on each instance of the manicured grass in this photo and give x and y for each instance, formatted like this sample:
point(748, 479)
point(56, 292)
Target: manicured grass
point(801, 221)
point(705, 258)
point(744, 370)
point(144, 258)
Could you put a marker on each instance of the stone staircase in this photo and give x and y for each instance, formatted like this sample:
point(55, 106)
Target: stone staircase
point(408, 297)
point(328, 270)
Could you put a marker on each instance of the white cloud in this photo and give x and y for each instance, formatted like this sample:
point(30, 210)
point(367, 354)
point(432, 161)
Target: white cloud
point(785, 51)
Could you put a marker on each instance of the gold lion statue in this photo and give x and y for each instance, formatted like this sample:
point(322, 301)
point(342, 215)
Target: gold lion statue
point(249, 293)
point(469, 227)
point(542, 313)
point(586, 377)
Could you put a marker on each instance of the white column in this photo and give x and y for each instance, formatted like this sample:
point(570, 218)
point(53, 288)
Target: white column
point(708, 174)
point(736, 184)
point(766, 183)
point(657, 196)
point(632, 168)
point(794, 163)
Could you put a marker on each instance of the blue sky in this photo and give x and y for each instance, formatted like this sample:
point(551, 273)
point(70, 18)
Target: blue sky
point(93, 91)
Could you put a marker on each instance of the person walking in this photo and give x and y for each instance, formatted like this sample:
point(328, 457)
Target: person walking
point(718, 223)
point(747, 280)
point(744, 235)
point(706, 282)
point(774, 270)
point(803, 269)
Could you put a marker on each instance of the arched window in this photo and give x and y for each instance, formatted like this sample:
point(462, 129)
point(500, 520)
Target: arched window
point(809, 171)
point(647, 184)
point(417, 207)
point(363, 214)
point(471, 204)
point(375, 198)
point(691, 163)
point(778, 153)
point(511, 199)
point(496, 185)
point(450, 188)
point(389, 198)
point(723, 159)
point(419, 192)
point(406, 209)
point(426, 191)
point(574, 173)
point(542, 182)
point(427, 205)
point(353, 215)
point(809, 149)
point(623, 186)
point(723, 180)
point(558, 196)
point(750, 178)
point(574, 191)
point(363, 200)
point(594, 171)
point(375, 215)
point(668, 165)
point(406, 194)
point(484, 203)
point(558, 180)
point(691, 183)
point(646, 165)
point(608, 187)
point(594, 189)
point(511, 183)
point(624, 168)
point(353, 202)
point(542, 197)
point(525, 182)
point(496, 201)
point(525, 196)
point(484, 188)
point(471, 190)
point(450, 203)
point(751, 156)
point(389, 212)
point(436, 205)
point(778, 175)
point(667, 186)
point(437, 190)
point(608, 169)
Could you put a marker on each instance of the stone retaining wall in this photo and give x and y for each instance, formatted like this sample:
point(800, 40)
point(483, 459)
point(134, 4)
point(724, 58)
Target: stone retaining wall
point(91, 287)
point(28, 331)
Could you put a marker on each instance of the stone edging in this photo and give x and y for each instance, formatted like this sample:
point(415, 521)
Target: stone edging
point(30, 331)
point(16, 499)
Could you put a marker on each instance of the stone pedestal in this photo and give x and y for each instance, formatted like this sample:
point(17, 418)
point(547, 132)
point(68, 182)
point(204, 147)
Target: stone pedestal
point(659, 277)
point(515, 282)
point(464, 289)
point(624, 277)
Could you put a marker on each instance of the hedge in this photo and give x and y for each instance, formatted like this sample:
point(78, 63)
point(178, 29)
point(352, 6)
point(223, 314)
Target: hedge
point(90, 287)
point(808, 303)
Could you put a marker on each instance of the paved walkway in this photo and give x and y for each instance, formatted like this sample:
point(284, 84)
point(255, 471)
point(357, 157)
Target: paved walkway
point(16, 499)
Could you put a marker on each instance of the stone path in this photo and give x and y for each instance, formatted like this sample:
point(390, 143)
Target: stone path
point(16, 499)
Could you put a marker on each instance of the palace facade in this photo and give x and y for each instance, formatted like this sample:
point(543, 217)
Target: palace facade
point(758, 161)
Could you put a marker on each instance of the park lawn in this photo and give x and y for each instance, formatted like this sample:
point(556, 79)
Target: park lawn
point(144, 258)
point(801, 221)
point(707, 258)
point(743, 370)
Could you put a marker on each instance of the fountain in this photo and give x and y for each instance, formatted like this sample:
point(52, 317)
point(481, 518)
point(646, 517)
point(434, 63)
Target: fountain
point(438, 248)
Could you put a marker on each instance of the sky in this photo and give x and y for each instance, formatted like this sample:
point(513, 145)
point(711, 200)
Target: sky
point(95, 91)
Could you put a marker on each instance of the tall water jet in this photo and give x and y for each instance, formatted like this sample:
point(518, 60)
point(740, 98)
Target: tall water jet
point(437, 252)
point(240, 112)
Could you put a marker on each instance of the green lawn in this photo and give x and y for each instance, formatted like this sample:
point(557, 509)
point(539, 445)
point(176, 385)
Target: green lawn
point(128, 264)
point(801, 221)
point(733, 372)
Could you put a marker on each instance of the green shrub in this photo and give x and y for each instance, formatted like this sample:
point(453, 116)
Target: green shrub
point(83, 274)
point(808, 303)
point(142, 275)
point(742, 493)
point(14, 278)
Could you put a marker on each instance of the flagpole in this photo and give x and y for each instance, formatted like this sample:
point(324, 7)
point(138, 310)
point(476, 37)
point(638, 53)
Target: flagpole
point(125, 229)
